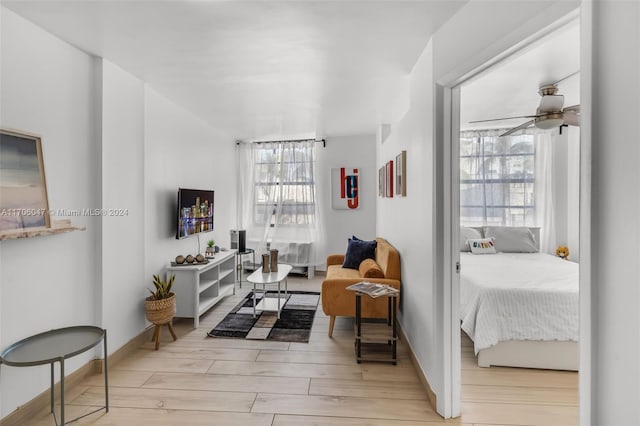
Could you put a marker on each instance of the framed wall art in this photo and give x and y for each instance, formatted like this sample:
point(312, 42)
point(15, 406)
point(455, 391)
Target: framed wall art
point(401, 174)
point(389, 179)
point(23, 189)
point(345, 187)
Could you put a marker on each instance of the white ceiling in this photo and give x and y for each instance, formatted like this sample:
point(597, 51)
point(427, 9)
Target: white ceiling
point(510, 88)
point(261, 68)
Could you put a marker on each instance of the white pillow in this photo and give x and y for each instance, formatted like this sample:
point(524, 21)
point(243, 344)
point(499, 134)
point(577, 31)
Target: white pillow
point(467, 234)
point(482, 246)
point(512, 239)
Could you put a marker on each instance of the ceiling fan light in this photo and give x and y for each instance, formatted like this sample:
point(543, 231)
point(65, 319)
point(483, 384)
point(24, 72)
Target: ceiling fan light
point(549, 122)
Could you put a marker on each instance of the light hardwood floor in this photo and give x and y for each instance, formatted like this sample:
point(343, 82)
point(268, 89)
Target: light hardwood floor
point(204, 381)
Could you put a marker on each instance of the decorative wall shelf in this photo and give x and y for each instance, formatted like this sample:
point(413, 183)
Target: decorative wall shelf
point(57, 227)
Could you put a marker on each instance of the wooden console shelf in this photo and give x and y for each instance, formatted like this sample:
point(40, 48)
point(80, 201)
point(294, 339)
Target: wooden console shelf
point(57, 227)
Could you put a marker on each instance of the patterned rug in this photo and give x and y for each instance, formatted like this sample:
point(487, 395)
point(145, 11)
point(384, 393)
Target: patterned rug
point(294, 325)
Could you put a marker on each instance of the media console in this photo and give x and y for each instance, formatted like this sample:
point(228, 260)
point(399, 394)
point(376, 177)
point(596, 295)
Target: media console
point(199, 287)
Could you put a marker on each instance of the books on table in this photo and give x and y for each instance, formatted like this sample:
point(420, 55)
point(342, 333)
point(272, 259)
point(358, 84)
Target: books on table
point(373, 289)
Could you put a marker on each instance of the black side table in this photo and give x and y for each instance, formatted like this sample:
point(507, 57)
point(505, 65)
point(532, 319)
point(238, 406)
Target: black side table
point(239, 265)
point(380, 336)
point(58, 345)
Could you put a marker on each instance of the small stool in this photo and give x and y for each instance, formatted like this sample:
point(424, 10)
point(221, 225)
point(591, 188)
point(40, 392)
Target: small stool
point(156, 333)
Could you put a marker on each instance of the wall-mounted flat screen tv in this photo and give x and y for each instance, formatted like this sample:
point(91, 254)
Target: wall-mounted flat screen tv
point(195, 212)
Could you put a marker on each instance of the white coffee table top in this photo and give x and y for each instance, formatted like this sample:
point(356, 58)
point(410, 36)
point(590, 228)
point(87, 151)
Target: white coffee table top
point(258, 277)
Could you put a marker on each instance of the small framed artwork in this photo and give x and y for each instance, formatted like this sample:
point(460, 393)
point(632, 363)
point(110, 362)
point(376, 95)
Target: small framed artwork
point(23, 190)
point(389, 179)
point(401, 174)
point(381, 181)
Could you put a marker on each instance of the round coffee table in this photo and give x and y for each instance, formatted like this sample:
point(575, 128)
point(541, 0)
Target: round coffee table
point(258, 277)
point(58, 345)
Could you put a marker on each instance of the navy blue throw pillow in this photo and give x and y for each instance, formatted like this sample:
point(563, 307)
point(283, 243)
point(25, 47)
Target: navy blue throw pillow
point(357, 251)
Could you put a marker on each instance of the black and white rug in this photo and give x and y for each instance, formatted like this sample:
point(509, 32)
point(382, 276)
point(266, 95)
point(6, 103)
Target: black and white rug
point(294, 325)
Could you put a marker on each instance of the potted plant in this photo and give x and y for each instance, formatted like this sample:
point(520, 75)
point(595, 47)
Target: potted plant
point(210, 248)
point(160, 307)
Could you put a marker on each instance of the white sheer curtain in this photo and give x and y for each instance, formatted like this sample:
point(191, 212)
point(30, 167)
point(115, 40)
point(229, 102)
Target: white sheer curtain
point(277, 205)
point(545, 189)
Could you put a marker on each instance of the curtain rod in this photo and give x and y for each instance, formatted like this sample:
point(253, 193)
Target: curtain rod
point(324, 142)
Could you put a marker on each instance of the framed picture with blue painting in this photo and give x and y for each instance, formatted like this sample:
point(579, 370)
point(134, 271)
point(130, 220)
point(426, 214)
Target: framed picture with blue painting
point(23, 190)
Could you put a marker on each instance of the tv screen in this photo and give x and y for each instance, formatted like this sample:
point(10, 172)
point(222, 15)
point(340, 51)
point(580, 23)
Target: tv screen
point(195, 212)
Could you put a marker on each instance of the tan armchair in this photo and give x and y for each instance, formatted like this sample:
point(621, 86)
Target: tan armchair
point(337, 301)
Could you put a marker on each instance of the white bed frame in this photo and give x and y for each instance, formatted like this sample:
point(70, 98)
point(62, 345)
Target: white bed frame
point(549, 355)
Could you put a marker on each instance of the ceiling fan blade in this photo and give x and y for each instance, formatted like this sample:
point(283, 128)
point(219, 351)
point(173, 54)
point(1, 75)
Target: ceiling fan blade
point(575, 108)
point(551, 103)
point(504, 118)
point(564, 78)
point(515, 129)
point(571, 118)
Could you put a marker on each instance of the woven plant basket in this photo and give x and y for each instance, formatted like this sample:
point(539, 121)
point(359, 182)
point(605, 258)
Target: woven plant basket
point(160, 311)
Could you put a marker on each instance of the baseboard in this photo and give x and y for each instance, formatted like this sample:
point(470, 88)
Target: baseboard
point(26, 412)
point(431, 395)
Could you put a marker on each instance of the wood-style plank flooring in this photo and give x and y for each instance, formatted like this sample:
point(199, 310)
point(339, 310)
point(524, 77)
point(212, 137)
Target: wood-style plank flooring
point(204, 381)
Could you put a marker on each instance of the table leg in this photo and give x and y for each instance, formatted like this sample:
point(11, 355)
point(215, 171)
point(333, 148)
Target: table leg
point(358, 327)
point(52, 389)
point(106, 375)
point(254, 300)
point(395, 333)
point(62, 391)
point(278, 296)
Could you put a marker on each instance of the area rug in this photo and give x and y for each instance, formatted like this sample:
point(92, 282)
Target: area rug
point(294, 325)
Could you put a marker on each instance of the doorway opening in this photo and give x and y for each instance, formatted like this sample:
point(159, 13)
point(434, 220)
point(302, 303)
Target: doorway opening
point(518, 196)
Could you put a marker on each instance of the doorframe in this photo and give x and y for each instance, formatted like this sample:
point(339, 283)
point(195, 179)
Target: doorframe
point(450, 104)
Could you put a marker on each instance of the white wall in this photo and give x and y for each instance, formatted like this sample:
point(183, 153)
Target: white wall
point(407, 222)
point(183, 151)
point(339, 225)
point(480, 31)
point(49, 88)
point(123, 280)
point(615, 213)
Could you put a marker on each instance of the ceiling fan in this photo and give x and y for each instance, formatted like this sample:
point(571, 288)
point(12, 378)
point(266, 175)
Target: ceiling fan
point(549, 113)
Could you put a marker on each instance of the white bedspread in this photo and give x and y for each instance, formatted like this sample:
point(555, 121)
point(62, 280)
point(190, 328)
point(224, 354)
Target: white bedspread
point(518, 296)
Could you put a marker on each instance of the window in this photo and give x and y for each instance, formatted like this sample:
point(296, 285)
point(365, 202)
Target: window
point(497, 180)
point(284, 183)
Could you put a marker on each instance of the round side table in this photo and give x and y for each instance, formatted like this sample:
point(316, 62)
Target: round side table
point(55, 346)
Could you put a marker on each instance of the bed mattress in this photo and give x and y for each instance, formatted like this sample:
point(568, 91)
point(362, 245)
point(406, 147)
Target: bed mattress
point(518, 296)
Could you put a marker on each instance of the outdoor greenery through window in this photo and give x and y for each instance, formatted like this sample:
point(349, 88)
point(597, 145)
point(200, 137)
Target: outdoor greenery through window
point(497, 179)
point(284, 184)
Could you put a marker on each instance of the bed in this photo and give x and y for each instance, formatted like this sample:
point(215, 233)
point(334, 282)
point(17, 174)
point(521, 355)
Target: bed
point(521, 309)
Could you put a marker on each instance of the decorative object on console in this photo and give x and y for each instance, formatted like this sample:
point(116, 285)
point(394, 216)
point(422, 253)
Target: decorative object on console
point(210, 251)
point(294, 325)
point(23, 190)
point(563, 252)
point(401, 174)
point(160, 307)
point(345, 188)
point(190, 260)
